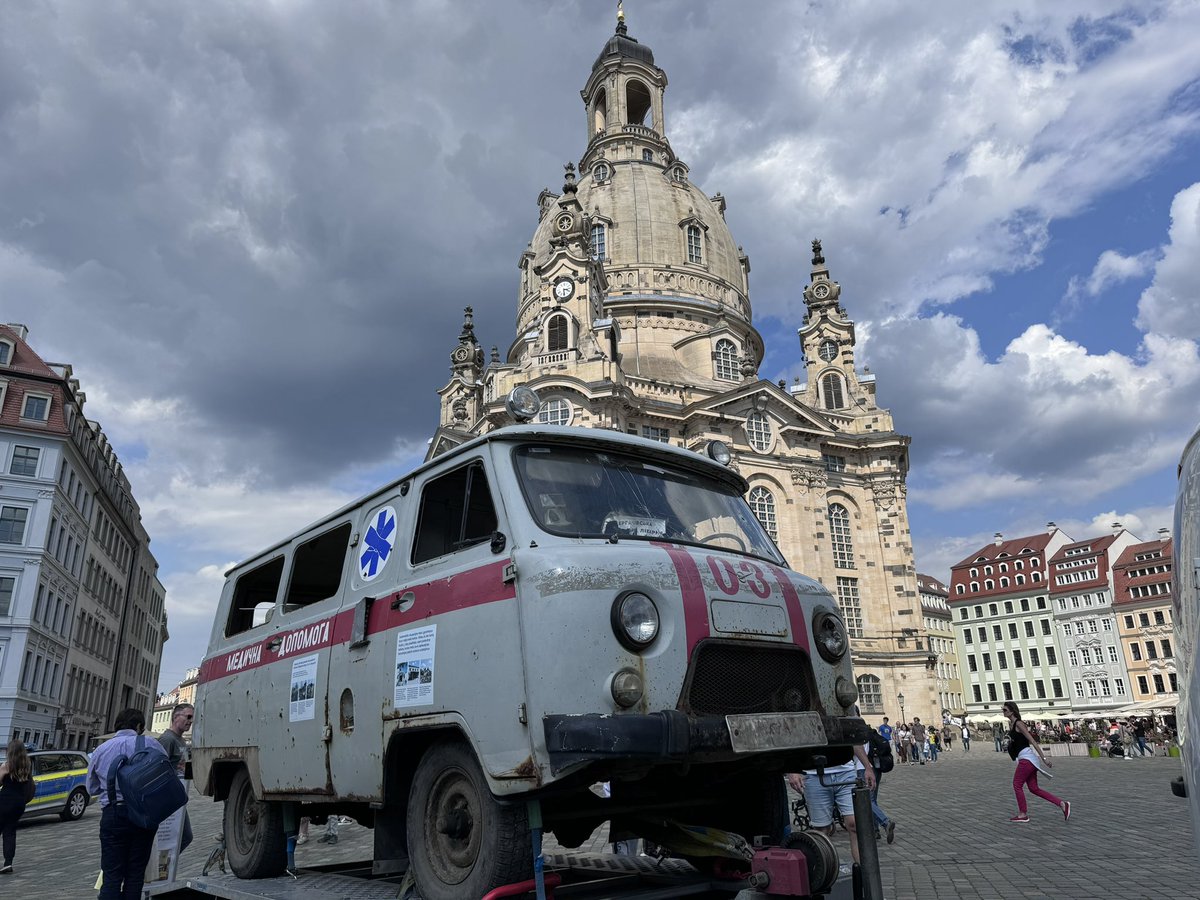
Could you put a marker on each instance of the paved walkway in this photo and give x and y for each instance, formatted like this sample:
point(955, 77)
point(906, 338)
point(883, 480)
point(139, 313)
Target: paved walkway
point(1129, 838)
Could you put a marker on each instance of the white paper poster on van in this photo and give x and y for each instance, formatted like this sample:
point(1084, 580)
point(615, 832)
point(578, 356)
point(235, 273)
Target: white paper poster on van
point(303, 704)
point(414, 666)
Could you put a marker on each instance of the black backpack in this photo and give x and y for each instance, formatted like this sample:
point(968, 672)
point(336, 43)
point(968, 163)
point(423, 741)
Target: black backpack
point(881, 752)
point(150, 785)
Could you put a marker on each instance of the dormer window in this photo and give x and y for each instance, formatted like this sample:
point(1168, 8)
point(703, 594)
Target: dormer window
point(647, 156)
point(6, 352)
point(36, 407)
point(695, 244)
point(601, 172)
point(679, 175)
point(725, 359)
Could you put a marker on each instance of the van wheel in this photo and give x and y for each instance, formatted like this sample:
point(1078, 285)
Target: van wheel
point(461, 842)
point(254, 841)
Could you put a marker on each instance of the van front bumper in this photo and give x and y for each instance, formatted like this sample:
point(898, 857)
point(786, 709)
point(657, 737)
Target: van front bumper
point(672, 735)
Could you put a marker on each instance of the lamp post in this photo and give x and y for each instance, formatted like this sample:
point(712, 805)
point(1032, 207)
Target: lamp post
point(900, 700)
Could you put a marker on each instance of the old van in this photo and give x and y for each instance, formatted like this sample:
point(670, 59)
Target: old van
point(538, 610)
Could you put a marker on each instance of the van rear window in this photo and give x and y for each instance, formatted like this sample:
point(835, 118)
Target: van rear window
point(254, 596)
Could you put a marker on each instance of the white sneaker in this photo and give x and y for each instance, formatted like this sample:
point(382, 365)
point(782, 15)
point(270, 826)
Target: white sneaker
point(302, 839)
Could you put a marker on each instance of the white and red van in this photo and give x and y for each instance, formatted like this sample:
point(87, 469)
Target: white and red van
point(538, 610)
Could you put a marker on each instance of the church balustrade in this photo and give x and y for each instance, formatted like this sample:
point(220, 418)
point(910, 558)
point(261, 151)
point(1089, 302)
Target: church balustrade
point(558, 356)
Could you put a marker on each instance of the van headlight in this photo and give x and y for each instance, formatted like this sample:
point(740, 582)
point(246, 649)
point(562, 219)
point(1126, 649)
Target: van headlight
point(626, 688)
point(830, 635)
point(635, 620)
point(522, 403)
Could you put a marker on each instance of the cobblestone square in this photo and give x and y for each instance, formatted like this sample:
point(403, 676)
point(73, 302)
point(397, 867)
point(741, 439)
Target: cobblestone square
point(1128, 837)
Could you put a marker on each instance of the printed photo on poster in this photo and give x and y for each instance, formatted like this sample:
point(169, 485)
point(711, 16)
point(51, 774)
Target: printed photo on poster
point(414, 666)
point(303, 702)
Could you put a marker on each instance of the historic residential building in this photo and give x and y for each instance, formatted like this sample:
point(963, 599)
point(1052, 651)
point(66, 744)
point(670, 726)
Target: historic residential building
point(81, 608)
point(1000, 598)
point(633, 313)
point(1081, 591)
point(939, 625)
point(1142, 602)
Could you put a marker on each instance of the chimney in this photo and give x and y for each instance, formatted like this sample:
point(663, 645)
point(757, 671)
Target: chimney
point(999, 539)
point(21, 330)
point(1116, 528)
point(1164, 534)
point(1051, 528)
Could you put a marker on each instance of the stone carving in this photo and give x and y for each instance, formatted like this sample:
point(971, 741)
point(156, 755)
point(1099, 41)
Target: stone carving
point(809, 477)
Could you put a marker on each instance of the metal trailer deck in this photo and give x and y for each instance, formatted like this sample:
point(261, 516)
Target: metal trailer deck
point(585, 876)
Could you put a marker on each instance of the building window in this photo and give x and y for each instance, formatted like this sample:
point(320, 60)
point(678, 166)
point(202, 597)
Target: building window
point(1136, 649)
point(1129, 621)
point(1159, 686)
point(7, 586)
point(997, 633)
point(1002, 658)
point(1112, 653)
point(1012, 630)
point(647, 156)
point(839, 535)
point(1028, 629)
point(758, 432)
point(978, 694)
point(831, 391)
point(1045, 626)
point(991, 692)
point(1166, 648)
point(1017, 664)
point(695, 247)
point(662, 435)
point(1051, 657)
point(557, 334)
point(972, 666)
point(1159, 618)
point(987, 662)
point(727, 363)
point(967, 639)
point(1023, 689)
point(1073, 657)
point(835, 464)
point(1143, 684)
point(1039, 688)
point(12, 524)
point(555, 412)
point(1034, 660)
point(870, 694)
point(599, 242)
point(36, 408)
point(24, 461)
point(847, 590)
point(762, 502)
point(6, 352)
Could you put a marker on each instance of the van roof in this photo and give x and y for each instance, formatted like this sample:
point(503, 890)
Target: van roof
point(513, 433)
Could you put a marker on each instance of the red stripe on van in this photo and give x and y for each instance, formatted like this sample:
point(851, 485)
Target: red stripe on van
point(791, 600)
point(695, 603)
point(473, 587)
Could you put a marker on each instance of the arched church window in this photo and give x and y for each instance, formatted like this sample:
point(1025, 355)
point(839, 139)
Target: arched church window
point(557, 334)
point(762, 502)
point(599, 242)
point(637, 103)
point(647, 156)
point(726, 357)
point(758, 432)
point(831, 390)
point(601, 171)
point(839, 536)
point(695, 246)
point(600, 113)
point(555, 412)
point(870, 694)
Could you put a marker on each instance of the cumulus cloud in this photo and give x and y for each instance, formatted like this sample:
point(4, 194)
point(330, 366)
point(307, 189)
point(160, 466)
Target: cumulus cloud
point(1171, 305)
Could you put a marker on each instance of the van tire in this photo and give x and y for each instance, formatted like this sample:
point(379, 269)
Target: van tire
point(461, 841)
point(254, 840)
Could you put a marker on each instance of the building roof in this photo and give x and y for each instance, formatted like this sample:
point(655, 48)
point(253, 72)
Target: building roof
point(1124, 583)
point(621, 45)
point(1061, 564)
point(930, 585)
point(27, 372)
point(1022, 546)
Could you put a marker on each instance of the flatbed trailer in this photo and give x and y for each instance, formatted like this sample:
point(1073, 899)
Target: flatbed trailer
point(569, 876)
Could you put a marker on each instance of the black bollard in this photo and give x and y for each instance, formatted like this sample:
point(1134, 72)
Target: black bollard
point(868, 850)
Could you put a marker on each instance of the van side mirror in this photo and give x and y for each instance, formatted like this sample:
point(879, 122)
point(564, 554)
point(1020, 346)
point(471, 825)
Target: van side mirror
point(499, 541)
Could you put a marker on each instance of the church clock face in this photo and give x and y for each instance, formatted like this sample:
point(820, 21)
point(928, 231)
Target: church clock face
point(821, 291)
point(564, 288)
point(828, 350)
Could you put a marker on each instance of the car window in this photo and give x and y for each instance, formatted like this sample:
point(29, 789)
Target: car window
point(77, 762)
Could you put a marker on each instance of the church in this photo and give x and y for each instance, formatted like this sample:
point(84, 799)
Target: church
point(633, 313)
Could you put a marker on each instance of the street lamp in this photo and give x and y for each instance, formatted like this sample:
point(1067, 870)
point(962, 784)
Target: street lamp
point(900, 700)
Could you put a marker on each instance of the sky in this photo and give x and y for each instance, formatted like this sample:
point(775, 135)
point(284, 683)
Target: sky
point(251, 228)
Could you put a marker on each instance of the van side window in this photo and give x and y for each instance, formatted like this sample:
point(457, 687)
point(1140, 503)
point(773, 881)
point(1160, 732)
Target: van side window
point(456, 512)
point(253, 596)
point(317, 568)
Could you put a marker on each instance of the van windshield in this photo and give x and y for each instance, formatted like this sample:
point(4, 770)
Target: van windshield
point(582, 493)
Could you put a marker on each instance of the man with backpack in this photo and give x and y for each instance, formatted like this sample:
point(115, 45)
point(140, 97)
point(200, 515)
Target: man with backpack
point(879, 752)
point(124, 846)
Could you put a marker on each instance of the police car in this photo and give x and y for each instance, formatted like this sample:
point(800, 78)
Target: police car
point(59, 777)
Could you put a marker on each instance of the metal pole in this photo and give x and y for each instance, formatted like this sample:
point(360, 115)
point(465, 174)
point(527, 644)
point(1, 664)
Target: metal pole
point(868, 850)
point(534, 808)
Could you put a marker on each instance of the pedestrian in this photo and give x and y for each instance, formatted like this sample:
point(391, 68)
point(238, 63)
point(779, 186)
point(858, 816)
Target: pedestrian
point(331, 831)
point(885, 730)
point(124, 848)
point(998, 735)
point(903, 742)
point(966, 738)
point(1139, 736)
point(16, 790)
point(835, 785)
point(879, 752)
point(918, 740)
point(1025, 749)
point(947, 738)
point(934, 741)
point(1125, 733)
point(177, 752)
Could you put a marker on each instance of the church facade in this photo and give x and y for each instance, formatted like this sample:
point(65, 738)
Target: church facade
point(633, 313)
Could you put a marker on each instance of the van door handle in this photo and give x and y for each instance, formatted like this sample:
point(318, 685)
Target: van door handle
point(275, 644)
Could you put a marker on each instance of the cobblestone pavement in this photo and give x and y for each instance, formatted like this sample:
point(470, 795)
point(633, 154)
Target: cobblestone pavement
point(1128, 838)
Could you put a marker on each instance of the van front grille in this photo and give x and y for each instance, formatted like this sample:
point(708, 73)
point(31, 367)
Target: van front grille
point(733, 677)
